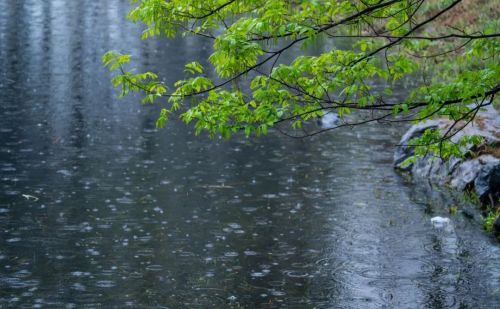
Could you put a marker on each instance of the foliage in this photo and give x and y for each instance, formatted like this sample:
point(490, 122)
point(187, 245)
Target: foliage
point(456, 66)
point(489, 220)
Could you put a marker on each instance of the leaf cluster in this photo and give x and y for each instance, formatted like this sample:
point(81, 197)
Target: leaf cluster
point(391, 41)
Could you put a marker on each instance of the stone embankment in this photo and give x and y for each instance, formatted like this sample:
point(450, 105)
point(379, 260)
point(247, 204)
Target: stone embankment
point(479, 173)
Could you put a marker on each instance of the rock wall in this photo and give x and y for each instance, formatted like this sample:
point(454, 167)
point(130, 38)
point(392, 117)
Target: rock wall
point(480, 173)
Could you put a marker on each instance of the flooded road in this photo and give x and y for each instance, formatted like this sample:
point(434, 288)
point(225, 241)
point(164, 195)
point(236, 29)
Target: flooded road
point(99, 209)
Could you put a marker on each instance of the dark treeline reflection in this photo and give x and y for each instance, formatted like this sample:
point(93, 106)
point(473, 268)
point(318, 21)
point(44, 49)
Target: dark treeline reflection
point(99, 209)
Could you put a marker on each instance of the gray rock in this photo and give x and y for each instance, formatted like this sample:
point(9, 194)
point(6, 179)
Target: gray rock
point(482, 173)
point(464, 174)
point(403, 152)
point(423, 166)
point(441, 170)
point(486, 124)
point(487, 183)
point(447, 169)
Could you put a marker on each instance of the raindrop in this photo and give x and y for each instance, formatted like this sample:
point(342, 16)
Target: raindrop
point(278, 293)
point(78, 287)
point(154, 268)
point(105, 284)
point(65, 173)
point(158, 210)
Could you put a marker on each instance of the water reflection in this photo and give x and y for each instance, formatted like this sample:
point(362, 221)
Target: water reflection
point(124, 215)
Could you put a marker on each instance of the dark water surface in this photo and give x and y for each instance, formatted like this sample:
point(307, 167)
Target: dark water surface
point(127, 216)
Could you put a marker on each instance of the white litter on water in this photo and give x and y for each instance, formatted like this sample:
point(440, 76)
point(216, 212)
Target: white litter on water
point(440, 222)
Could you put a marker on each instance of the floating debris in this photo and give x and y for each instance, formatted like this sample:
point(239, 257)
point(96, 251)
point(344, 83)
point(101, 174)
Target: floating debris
point(441, 223)
point(30, 197)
